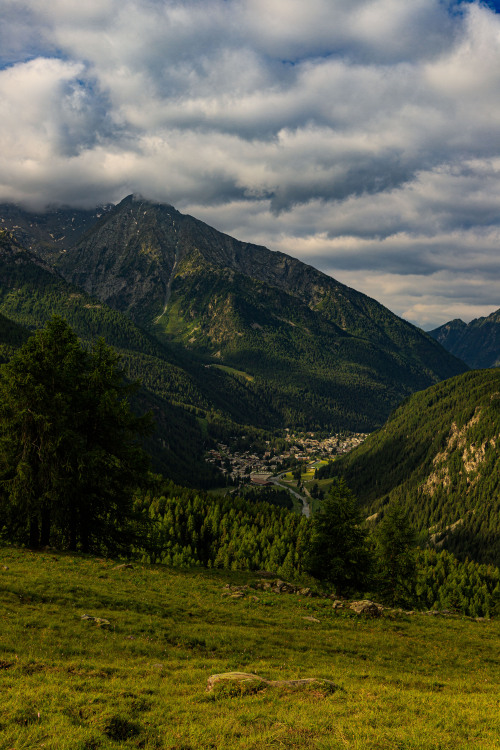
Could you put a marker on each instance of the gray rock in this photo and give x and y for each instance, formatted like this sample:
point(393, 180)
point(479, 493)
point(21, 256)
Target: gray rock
point(366, 607)
point(338, 604)
point(248, 682)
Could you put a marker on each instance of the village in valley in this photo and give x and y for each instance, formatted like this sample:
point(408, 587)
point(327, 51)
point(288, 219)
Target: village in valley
point(306, 449)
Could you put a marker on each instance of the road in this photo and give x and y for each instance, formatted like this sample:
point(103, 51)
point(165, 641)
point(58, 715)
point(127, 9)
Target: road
point(306, 509)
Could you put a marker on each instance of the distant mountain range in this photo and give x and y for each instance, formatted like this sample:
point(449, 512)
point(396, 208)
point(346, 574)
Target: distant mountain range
point(438, 456)
point(476, 343)
point(280, 343)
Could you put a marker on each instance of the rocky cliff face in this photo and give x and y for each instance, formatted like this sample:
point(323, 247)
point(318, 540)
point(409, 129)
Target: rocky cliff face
point(50, 232)
point(437, 457)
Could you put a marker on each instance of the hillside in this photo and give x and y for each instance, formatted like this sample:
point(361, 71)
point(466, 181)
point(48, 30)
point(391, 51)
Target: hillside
point(476, 343)
point(48, 232)
point(31, 292)
point(137, 677)
point(12, 335)
point(303, 350)
point(438, 456)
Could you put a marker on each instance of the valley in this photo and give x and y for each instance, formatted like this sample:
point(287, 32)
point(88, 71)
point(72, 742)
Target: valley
point(300, 448)
point(250, 375)
point(270, 385)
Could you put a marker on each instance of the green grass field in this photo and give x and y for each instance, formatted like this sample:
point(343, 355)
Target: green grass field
point(414, 682)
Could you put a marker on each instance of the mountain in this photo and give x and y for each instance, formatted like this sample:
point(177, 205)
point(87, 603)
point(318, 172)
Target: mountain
point(12, 335)
point(476, 343)
point(438, 456)
point(31, 291)
point(48, 232)
point(302, 349)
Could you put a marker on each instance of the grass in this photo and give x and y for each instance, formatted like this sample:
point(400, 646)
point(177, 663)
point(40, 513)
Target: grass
point(413, 682)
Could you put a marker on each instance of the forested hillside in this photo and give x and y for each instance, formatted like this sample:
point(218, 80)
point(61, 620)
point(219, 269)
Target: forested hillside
point(31, 292)
point(438, 458)
point(12, 335)
point(280, 343)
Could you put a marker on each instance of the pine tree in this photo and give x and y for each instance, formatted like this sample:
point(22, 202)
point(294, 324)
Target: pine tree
point(338, 550)
point(69, 457)
point(396, 559)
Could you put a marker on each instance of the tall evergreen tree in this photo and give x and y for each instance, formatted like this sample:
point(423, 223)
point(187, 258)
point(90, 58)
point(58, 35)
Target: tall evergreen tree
point(339, 552)
point(396, 556)
point(69, 457)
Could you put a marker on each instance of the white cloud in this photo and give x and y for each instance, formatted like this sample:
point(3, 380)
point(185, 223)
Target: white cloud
point(362, 136)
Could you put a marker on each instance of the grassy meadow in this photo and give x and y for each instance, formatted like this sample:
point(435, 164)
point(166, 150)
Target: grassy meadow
point(67, 683)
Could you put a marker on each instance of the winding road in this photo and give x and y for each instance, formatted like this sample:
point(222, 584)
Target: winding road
point(306, 509)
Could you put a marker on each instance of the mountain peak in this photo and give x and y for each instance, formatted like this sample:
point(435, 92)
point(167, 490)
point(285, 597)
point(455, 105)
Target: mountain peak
point(323, 353)
point(477, 342)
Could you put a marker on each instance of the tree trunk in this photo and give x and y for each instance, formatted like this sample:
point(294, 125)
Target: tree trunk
point(34, 532)
point(45, 528)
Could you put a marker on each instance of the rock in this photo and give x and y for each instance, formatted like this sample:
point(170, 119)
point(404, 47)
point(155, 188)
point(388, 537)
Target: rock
point(239, 683)
point(100, 621)
point(338, 604)
point(231, 676)
point(311, 619)
point(123, 566)
point(304, 592)
point(366, 607)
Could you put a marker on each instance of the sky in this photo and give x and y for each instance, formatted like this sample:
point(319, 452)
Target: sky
point(360, 136)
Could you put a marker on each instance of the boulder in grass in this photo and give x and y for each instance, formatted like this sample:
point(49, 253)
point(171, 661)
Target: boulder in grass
point(233, 684)
point(367, 608)
point(100, 621)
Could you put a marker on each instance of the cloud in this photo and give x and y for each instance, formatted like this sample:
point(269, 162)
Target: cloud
point(362, 137)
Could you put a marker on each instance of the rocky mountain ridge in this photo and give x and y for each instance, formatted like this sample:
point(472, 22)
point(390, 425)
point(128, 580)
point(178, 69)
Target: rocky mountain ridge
point(311, 351)
point(477, 343)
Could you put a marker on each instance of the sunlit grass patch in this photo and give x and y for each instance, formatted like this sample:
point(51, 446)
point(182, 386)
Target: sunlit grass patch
point(141, 682)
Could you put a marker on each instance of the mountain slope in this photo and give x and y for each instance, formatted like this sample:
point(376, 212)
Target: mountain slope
point(31, 291)
point(476, 343)
point(438, 456)
point(296, 347)
point(325, 355)
point(48, 232)
point(12, 335)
